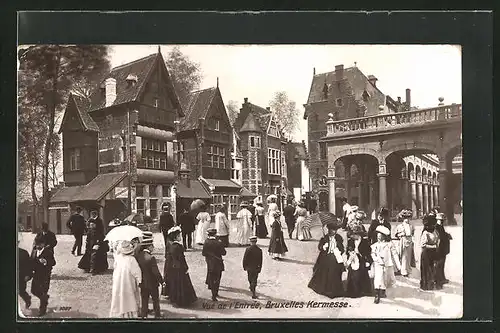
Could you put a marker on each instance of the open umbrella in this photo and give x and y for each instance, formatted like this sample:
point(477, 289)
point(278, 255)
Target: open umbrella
point(321, 219)
point(124, 233)
point(197, 204)
point(134, 218)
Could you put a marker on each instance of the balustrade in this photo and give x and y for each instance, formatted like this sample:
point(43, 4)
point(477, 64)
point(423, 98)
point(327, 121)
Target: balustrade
point(390, 120)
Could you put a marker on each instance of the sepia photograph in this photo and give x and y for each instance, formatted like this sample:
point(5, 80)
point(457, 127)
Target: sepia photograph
point(184, 181)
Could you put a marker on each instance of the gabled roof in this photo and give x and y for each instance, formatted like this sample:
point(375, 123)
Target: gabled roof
point(261, 113)
point(81, 105)
point(141, 69)
point(194, 191)
point(197, 106)
point(251, 124)
point(100, 186)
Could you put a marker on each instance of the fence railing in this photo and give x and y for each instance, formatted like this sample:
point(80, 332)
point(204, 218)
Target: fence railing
point(393, 120)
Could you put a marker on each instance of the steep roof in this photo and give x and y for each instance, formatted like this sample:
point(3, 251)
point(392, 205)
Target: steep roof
point(100, 186)
point(81, 106)
point(197, 106)
point(251, 124)
point(141, 68)
point(262, 115)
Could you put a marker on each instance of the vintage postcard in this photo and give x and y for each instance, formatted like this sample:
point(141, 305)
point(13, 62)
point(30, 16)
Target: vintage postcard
point(240, 181)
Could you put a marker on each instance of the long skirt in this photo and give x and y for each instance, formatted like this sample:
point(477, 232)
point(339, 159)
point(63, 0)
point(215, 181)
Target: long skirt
point(261, 231)
point(277, 246)
point(383, 276)
point(41, 283)
point(358, 283)
point(201, 232)
point(406, 259)
point(301, 231)
point(427, 269)
point(181, 289)
point(327, 276)
point(243, 233)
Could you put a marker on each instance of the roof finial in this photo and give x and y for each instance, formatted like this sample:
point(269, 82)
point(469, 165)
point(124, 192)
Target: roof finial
point(314, 71)
point(217, 82)
point(355, 64)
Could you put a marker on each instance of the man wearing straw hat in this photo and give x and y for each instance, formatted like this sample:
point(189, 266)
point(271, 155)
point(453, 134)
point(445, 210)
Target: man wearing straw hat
point(213, 250)
point(252, 263)
point(166, 221)
point(151, 277)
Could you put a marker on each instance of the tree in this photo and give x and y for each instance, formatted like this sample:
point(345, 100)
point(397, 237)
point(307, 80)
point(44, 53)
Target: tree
point(232, 111)
point(185, 74)
point(52, 71)
point(285, 113)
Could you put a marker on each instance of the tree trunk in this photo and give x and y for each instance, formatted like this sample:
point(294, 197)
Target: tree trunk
point(34, 198)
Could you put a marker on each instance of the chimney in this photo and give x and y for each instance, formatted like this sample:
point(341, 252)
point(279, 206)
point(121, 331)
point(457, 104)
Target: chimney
point(373, 80)
point(339, 72)
point(399, 100)
point(184, 174)
point(245, 99)
point(408, 97)
point(110, 86)
point(314, 71)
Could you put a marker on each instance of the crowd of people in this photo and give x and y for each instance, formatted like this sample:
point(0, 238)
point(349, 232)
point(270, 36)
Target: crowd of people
point(371, 257)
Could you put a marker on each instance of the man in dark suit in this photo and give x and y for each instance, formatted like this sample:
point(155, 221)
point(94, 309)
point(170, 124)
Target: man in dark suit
point(166, 220)
point(76, 224)
point(25, 274)
point(252, 263)
point(99, 224)
point(213, 250)
point(48, 237)
point(442, 251)
point(288, 213)
point(43, 261)
point(151, 278)
point(187, 223)
point(382, 219)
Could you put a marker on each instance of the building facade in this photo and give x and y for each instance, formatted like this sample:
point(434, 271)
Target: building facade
point(297, 169)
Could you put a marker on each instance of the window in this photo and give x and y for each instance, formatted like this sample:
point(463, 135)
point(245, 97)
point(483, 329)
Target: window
point(74, 159)
point(339, 102)
point(165, 190)
point(322, 150)
point(273, 161)
point(216, 202)
point(155, 102)
point(139, 190)
point(140, 206)
point(153, 154)
point(217, 157)
point(254, 142)
point(217, 124)
point(273, 130)
point(283, 165)
point(152, 191)
point(233, 203)
point(153, 208)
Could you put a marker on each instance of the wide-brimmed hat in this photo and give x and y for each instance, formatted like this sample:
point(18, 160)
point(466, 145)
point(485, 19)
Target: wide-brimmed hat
point(360, 215)
point(383, 230)
point(244, 204)
point(354, 209)
point(253, 238)
point(440, 216)
point(406, 214)
point(429, 220)
point(212, 231)
point(333, 225)
point(174, 230)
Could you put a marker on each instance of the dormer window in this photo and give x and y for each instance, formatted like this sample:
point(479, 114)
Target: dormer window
point(131, 80)
point(325, 91)
point(339, 102)
point(366, 96)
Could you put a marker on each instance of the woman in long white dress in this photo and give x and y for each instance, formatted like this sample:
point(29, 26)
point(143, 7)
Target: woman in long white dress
point(302, 233)
point(204, 220)
point(244, 226)
point(125, 296)
point(271, 211)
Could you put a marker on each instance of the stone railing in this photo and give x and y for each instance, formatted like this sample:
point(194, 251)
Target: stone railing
point(393, 120)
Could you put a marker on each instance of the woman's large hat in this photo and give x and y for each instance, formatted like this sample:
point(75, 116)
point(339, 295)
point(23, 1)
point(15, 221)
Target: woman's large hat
point(384, 212)
point(354, 209)
point(244, 204)
point(357, 229)
point(429, 220)
point(383, 230)
point(360, 215)
point(277, 213)
point(406, 214)
point(174, 230)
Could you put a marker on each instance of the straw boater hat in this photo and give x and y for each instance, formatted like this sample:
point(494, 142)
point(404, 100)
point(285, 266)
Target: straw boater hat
point(253, 238)
point(244, 204)
point(383, 230)
point(212, 232)
point(354, 209)
point(165, 205)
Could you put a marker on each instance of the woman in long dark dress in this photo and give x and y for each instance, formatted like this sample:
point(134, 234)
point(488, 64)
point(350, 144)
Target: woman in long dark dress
point(327, 271)
point(358, 263)
point(180, 288)
point(429, 241)
point(95, 259)
point(261, 229)
point(277, 246)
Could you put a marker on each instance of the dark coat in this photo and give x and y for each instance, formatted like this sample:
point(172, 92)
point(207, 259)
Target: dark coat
point(187, 223)
point(38, 267)
point(444, 241)
point(151, 277)
point(288, 212)
point(372, 234)
point(323, 253)
point(25, 265)
point(49, 238)
point(213, 250)
point(166, 222)
point(364, 248)
point(252, 259)
point(98, 224)
point(76, 223)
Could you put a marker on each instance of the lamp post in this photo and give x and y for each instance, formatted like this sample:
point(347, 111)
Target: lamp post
point(129, 163)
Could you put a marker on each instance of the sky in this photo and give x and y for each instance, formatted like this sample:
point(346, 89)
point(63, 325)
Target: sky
point(258, 71)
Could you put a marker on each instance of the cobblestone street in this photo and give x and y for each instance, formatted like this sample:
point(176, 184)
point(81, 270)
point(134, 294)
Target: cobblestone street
point(74, 294)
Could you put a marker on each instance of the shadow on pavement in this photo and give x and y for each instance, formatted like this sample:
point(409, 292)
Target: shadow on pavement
point(66, 277)
point(54, 313)
point(405, 292)
point(299, 262)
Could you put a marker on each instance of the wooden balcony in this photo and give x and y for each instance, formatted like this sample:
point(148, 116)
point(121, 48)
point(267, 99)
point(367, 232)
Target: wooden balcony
point(390, 121)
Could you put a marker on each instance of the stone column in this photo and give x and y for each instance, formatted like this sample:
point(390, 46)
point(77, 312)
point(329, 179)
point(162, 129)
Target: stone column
point(373, 197)
point(405, 187)
point(348, 181)
point(443, 173)
point(436, 195)
point(419, 196)
point(425, 195)
point(431, 195)
point(331, 189)
point(382, 184)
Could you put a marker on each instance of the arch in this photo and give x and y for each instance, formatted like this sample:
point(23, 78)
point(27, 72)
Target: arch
point(418, 173)
point(427, 146)
point(434, 178)
point(339, 169)
point(357, 151)
point(424, 174)
point(411, 171)
point(354, 172)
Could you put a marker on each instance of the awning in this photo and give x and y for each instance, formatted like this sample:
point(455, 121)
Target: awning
point(194, 191)
point(245, 193)
point(66, 194)
point(99, 187)
point(225, 183)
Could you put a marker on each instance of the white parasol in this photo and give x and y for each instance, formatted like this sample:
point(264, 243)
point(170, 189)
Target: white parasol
point(124, 233)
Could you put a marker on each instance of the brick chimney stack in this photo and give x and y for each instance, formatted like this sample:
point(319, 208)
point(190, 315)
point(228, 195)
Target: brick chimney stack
point(373, 80)
point(110, 86)
point(408, 97)
point(339, 72)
